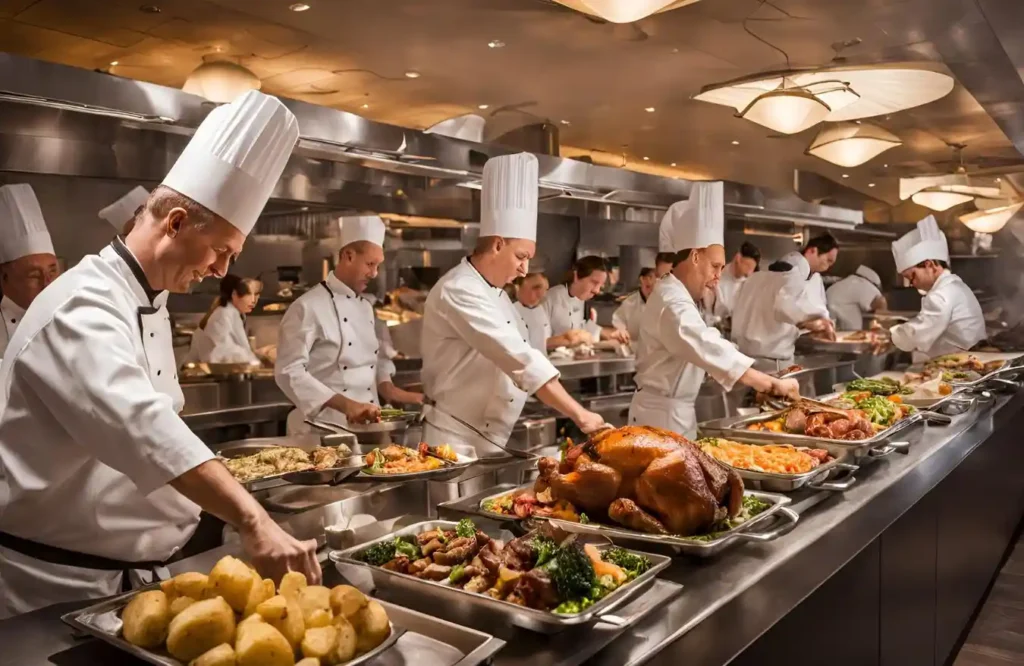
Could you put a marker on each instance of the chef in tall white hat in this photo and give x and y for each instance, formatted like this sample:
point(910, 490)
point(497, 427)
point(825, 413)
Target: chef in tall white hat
point(27, 261)
point(121, 213)
point(90, 437)
point(951, 319)
point(329, 361)
point(478, 367)
point(853, 297)
point(676, 346)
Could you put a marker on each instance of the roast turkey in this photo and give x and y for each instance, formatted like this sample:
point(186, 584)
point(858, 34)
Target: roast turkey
point(646, 479)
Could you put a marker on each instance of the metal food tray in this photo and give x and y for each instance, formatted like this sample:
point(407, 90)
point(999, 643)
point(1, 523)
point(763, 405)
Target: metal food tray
point(330, 476)
point(807, 343)
point(819, 478)
point(733, 427)
point(382, 426)
point(528, 618)
point(103, 621)
point(466, 458)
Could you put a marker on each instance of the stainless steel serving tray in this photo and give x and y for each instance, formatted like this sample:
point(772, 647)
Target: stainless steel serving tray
point(807, 343)
point(451, 470)
point(527, 618)
point(821, 477)
point(331, 476)
point(103, 621)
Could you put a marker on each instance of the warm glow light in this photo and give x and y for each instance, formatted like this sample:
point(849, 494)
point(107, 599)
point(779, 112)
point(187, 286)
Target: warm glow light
point(735, 143)
point(365, 106)
point(298, 7)
point(960, 183)
point(623, 11)
point(786, 111)
point(412, 75)
point(495, 44)
point(221, 81)
point(939, 200)
point(566, 122)
point(673, 164)
point(483, 106)
point(852, 144)
point(846, 175)
point(649, 109)
point(113, 64)
point(990, 221)
point(871, 184)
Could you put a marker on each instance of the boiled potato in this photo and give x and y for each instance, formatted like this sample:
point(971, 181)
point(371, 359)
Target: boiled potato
point(371, 625)
point(318, 618)
point(273, 608)
point(180, 604)
point(285, 615)
point(146, 618)
point(308, 661)
point(232, 579)
point(222, 655)
point(346, 647)
point(252, 619)
point(320, 643)
point(347, 600)
point(202, 626)
point(291, 584)
point(192, 585)
point(261, 590)
point(260, 644)
point(312, 598)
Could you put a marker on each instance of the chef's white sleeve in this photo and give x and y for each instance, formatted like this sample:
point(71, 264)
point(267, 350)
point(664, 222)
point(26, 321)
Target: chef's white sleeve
point(866, 295)
point(487, 330)
point(83, 371)
point(621, 315)
point(684, 333)
point(921, 332)
point(793, 304)
point(299, 330)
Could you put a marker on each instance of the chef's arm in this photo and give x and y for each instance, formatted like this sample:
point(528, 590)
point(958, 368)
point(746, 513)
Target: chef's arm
point(567, 339)
point(764, 383)
point(272, 551)
point(389, 393)
point(921, 332)
point(554, 395)
point(879, 304)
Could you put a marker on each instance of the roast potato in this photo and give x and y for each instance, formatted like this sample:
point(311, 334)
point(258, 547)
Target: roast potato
point(291, 584)
point(371, 625)
point(320, 643)
point(285, 615)
point(260, 644)
point(190, 584)
point(222, 655)
point(273, 608)
point(346, 647)
point(347, 600)
point(180, 604)
point(232, 579)
point(312, 598)
point(252, 619)
point(318, 618)
point(146, 618)
point(202, 626)
point(308, 661)
point(261, 590)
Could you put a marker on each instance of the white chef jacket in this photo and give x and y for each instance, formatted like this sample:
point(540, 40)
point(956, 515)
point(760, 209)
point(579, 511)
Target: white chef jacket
point(849, 299)
point(725, 293)
point(627, 316)
point(537, 326)
point(328, 345)
point(223, 337)
point(676, 349)
point(814, 289)
point(567, 312)
point(89, 434)
point(950, 320)
point(768, 309)
point(477, 363)
point(11, 313)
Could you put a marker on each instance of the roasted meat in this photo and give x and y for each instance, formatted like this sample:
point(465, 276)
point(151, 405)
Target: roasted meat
point(626, 512)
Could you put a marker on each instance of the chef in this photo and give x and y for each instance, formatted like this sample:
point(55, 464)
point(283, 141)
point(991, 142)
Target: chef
point(529, 295)
point(478, 367)
point(772, 311)
point(566, 303)
point(221, 336)
point(27, 262)
point(98, 474)
point(742, 266)
point(663, 263)
point(819, 255)
point(951, 319)
point(121, 213)
point(853, 297)
point(627, 316)
point(329, 360)
point(676, 347)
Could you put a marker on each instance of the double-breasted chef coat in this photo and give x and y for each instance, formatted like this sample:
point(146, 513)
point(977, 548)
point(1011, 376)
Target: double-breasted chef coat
point(89, 380)
point(950, 321)
point(849, 299)
point(566, 312)
point(328, 345)
point(477, 363)
point(538, 326)
point(628, 315)
point(11, 313)
point(224, 339)
point(676, 349)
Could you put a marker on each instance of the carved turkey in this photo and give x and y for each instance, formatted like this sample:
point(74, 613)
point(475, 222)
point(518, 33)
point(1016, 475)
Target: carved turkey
point(646, 479)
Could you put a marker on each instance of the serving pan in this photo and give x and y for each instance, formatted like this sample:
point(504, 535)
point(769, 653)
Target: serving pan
point(450, 470)
point(736, 426)
point(533, 619)
point(349, 466)
point(822, 477)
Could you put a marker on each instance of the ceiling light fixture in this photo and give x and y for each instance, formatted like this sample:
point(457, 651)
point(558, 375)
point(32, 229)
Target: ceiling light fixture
point(649, 109)
point(365, 106)
point(566, 122)
point(221, 81)
point(673, 164)
point(298, 7)
point(945, 191)
point(786, 111)
point(735, 143)
point(113, 63)
point(991, 221)
point(846, 175)
point(646, 159)
point(495, 44)
point(851, 144)
point(412, 75)
point(871, 184)
point(483, 107)
point(623, 11)
point(939, 200)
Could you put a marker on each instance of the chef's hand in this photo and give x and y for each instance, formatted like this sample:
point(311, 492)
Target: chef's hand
point(823, 328)
point(786, 388)
point(590, 422)
point(576, 337)
point(274, 552)
point(618, 335)
point(361, 412)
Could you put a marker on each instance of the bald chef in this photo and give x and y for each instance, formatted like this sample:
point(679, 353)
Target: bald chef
point(478, 367)
point(676, 346)
point(951, 319)
point(121, 213)
point(27, 261)
point(329, 361)
point(99, 476)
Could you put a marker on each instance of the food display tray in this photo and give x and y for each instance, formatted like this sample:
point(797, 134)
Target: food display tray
point(822, 477)
point(103, 621)
point(736, 426)
point(528, 618)
point(838, 346)
point(466, 458)
point(330, 476)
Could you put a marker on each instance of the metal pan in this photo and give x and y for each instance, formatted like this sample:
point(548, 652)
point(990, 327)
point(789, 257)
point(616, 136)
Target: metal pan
point(528, 618)
point(451, 470)
point(308, 477)
point(822, 477)
point(103, 621)
point(736, 426)
point(807, 343)
point(331, 476)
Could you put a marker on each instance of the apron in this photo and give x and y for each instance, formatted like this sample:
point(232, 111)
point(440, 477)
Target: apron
point(658, 411)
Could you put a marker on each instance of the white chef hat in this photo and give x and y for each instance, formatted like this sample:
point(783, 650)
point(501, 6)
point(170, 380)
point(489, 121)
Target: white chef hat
point(22, 228)
point(799, 263)
point(925, 242)
point(508, 203)
point(699, 221)
point(362, 228)
point(869, 275)
point(123, 210)
point(236, 157)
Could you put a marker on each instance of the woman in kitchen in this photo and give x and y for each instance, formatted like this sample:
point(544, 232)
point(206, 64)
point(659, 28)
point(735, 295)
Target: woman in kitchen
point(221, 336)
point(951, 319)
point(565, 304)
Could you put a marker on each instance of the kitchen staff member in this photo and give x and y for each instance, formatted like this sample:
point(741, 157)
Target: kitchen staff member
point(820, 255)
point(27, 262)
point(221, 336)
point(529, 294)
point(478, 367)
point(663, 262)
point(627, 316)
point(98, 474)
point(742, 266)
point(121, 213)
point(329, 360)
point(951, 319)
point(676, 347)
point(854, 296)
point(771, 311)
point(566, 303)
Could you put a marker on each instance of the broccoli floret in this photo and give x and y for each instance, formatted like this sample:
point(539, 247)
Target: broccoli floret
point(383, 552)
point(545, 548)
point(634, 565)
point(572, 572)
point(465, 528)
point(457, 574)
point(584, 520)
point(410, 550)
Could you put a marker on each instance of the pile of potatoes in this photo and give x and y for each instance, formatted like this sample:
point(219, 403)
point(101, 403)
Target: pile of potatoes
point(235, 618)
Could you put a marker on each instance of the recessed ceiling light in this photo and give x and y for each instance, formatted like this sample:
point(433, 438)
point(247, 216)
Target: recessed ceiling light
point(885, 166)
point(566, 122)
point(735, 143)
point(483, 106)
point(495, 44)
point(999, 180)
point(298, 7)
point(303, 208)
point(412, 75)
point(673, 164)
point(365, 106)
point(646, 159)
point(846, 175)
point(649, 109)
point(113, 63)
point(871, 184)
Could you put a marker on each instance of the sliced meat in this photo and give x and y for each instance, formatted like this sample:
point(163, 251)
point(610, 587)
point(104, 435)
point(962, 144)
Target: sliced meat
point(434, 545)
point(436, 572)
point(491, 561)
point(399, 564)
point(821, 455)
point(418, 566)
point(796, 421)
point(478, 584)
point(626, 512)
point(457, 552)
point(536, 590)
point(426, 537)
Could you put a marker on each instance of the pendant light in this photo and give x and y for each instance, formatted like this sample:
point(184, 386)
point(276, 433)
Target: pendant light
point(850, 144)
point(221, 81)
point(787, 111)
point(992, 220)
point(623, 11)
point(940, 200)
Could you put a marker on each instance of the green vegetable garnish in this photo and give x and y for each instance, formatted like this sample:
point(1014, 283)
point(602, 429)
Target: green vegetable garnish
point(584, 520)
point(383, 552)
point(883, 386)
point(378, 462)
point(634, 565)
point(572, 572)
point(465, 529)
point(879, 410)
point(502, 505)
point(457, 574)
point(545, 548)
